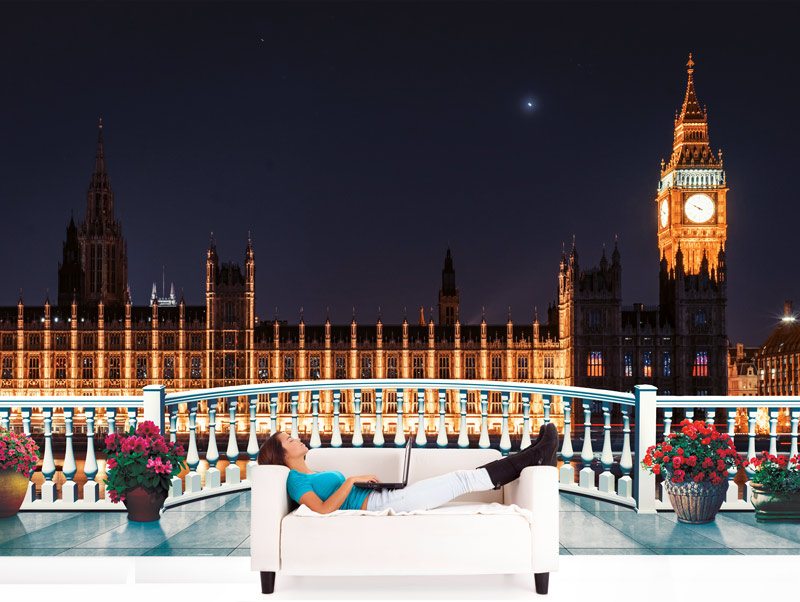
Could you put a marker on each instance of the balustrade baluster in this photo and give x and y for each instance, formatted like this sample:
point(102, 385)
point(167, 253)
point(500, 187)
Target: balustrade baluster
point(111, 421)
point(293, 397)
point(69, 490)
point(377, 440)
point(546, 401)
point(732, 496)
point(192, 479)
point(505, 440)
point(689, 414)
point(233, 474)
point(399, 432)
point(441, 439)
point(175, 483)
point(606, 479)
point(587, 455)
point(273, 413)
point(49, 494)
point(91, 489)
point(173, 424)
point(566, 475)
point(5, 415)
point(252, 439)
point(132, 419)
point(625, 485)
point(422, 438)
point(483, 441)
point(315, 439)
point(26, 421)
point(752, 413)
point(773, 431)
point(526, 421)
point(213, 476)
point(667, 421)
point(358, 437)
point(795, 415)
point(336, 435)
point(463, 436)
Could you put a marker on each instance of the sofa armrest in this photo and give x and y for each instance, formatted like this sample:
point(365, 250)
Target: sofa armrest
point(269, 504)
point(536, 490)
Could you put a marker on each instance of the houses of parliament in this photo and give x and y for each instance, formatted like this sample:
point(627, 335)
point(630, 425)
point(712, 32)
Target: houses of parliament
point(94, 341)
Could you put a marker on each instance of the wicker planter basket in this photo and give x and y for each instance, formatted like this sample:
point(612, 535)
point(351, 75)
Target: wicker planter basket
point(696, 503)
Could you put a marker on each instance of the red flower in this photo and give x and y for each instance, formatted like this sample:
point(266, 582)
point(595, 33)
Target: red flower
point(706, 441)
point(658, 454)
point(111, 463)
point(657, 469)
point(720, 465)
point(691, 460)
point(699, 477)
point(678, 476)
point(667, 447)
point(112, 442)
point(679, 451)
point(147, 428)
point(676, 461)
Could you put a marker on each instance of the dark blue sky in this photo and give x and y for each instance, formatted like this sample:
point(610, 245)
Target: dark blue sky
point(357, 140)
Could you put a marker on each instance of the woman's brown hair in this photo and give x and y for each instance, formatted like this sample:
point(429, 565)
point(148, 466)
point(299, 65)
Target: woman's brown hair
point(272, 451)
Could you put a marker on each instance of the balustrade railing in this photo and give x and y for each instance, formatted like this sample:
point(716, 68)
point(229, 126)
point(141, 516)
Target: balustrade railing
point(608, 461)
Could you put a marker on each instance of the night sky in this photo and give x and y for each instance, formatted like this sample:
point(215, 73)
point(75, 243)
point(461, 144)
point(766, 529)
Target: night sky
point(356, 141)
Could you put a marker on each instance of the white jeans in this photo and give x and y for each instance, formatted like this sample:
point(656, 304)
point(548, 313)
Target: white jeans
point(432, 492)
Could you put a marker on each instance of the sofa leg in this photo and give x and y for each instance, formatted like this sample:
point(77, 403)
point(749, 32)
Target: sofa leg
point(268, 582)
point(541, 580)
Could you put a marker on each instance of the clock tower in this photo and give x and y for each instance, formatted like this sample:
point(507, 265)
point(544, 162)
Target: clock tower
point(691, 210)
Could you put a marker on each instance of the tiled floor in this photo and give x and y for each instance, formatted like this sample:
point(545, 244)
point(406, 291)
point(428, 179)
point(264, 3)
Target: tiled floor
point(220, 526)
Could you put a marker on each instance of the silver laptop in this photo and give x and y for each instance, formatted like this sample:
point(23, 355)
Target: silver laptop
point(379, 486)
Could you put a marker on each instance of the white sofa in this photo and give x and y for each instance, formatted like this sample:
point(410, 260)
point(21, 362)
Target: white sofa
point(351, 543)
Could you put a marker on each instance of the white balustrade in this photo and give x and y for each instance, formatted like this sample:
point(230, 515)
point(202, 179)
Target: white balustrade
point(213, 475)
point(505, 440)
point(483, 441)
point(233, 474)
point(315, 438)
point(526, 421)
point(252, 440)
point(566, 474)
point(463, 437)
point(586, 477)
point(399, 434)
point(441, 438)
point(606, 480)
point(358, 437)
point(377, 440)
point(422, 439)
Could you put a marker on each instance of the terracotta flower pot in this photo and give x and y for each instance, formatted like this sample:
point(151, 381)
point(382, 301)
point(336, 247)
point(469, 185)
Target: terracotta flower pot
point(771, 506)
point(144, 505)
point(696, 503)
point(13, 486)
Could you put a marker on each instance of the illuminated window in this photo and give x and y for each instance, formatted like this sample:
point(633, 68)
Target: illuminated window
point(263, 367)
point(366, 366)
point(497, 367)
point(391, 366)
point(314, 371)
point(647, 364)
point(61, 368)
point(8, 367)
point(522, 368)
point(230, 367)
point(113, 368)
point(628, 364)
point(700, 367)
point(288, 368)
point(444, 367)
point(469, 367)
point(419, 371)
point(141, 368)
point(33, 367)
point(594, 365)
point(88, 368)
point(549, 365)
point(341, 372)
point(666, 363)
point(169, 367)
point(196, 371)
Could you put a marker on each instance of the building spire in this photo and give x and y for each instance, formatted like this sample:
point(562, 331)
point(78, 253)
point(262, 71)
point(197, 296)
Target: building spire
point(691, 109)
point(99, 158)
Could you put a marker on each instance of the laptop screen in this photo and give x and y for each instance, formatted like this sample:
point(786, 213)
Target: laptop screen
point(408, 458)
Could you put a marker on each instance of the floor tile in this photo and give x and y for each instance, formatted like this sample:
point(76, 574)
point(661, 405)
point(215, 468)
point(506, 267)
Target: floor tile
point(768, 551)
point(734, 534)
point(240, 552)
point(653, 530)
point(70, 532)
point(786, 530)
point(695, 551)
point(217, 530)
point(582, 529)
point(167, 550)
point(641, 550)
point(206, 505)
point(24, 523)
point(143, 535)
point(31, 551)
point(104, 552)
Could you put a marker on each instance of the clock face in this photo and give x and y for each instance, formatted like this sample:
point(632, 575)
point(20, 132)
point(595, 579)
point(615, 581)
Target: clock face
point(699, 208)
point(664, 212)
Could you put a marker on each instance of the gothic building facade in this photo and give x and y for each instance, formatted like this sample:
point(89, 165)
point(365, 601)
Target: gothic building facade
point(95, 341)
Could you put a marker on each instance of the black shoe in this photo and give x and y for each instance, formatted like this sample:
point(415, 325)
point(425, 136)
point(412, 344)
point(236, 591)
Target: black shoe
point(543, 452)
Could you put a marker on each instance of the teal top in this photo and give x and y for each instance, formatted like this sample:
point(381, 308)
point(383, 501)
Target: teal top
point(324, 484)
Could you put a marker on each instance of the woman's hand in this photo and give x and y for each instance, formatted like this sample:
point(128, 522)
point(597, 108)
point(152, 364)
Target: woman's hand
point(364, 477)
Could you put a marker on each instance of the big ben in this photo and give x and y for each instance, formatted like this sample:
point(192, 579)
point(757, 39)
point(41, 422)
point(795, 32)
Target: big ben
point(690, 203)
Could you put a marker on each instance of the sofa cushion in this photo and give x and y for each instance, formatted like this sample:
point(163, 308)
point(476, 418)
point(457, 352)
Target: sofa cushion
point(420, 544)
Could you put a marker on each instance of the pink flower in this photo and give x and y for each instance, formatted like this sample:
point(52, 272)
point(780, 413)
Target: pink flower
point(147, 428)
point(134, 444)
point(112, 442)
point(111, 463)
point(158, 466)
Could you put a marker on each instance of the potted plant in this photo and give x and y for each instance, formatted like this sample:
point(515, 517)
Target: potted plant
point(139, 468)
point(775, 485)
point(694, 463)
point(19, 455)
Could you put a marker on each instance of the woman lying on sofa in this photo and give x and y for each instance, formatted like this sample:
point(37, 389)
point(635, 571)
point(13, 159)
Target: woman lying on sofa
point(327, 491)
